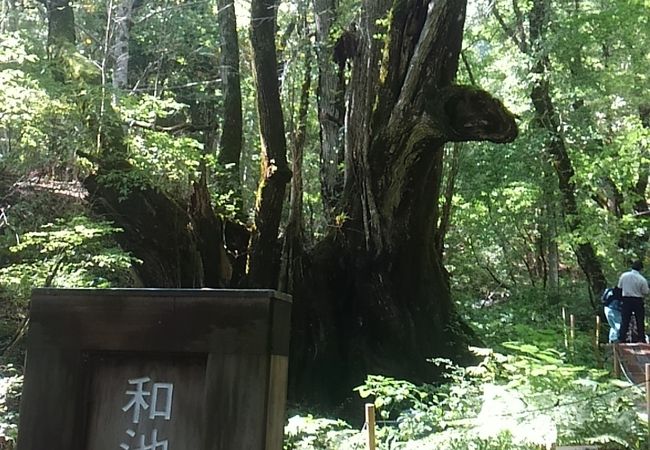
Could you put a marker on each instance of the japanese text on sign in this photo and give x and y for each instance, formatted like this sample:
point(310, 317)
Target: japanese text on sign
point(145, 404)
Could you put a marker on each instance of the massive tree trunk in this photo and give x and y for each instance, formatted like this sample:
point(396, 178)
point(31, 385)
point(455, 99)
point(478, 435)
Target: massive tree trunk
point(375, 297)
point(264, 252)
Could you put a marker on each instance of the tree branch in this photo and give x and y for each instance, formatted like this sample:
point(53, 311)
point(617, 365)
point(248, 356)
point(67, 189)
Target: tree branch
point(519, 25)
point(171, 129)
point(486, 266)
point(510, 32)
point(468, 68)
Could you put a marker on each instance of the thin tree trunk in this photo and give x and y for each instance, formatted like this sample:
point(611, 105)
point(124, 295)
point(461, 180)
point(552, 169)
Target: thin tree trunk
point(120, 48)
point(293, 241)
point(230, 144)
point(264, 253)
point(451, 173)
point(217, 269)
point(549, 235)
point(553, 266)
point(331, 108)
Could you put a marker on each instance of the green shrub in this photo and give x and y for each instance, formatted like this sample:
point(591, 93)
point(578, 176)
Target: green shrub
point(525, 398)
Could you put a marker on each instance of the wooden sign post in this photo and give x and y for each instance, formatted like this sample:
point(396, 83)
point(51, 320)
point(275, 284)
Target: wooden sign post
point(616, 369)
point(155, 369)
point(566, 338)
point(370, 424)
point(597, 352)
point(647, 398)
point(572, 324)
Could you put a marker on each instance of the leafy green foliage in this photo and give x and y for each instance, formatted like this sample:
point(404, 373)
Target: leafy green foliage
point(76, 252)
point(596, 69)
point(41, 127)
point(224, 200)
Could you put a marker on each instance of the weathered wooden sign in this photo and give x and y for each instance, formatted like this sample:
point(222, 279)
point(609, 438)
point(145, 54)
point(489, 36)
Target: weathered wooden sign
point(153, 369)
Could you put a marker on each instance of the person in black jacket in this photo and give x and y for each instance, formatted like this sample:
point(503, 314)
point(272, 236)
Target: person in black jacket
point(634, 288)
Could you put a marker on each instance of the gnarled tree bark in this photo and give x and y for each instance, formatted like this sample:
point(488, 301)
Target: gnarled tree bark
point(375, 296)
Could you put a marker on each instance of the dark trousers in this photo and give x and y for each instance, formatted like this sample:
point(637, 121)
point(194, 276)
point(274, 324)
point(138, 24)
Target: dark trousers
point(629, 306)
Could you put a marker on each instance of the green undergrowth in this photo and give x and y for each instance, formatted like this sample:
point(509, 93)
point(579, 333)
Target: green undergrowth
point(533, 386)
point(527, 398)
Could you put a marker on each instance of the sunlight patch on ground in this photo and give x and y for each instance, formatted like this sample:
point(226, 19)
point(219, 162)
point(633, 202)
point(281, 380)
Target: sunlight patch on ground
point(504, 411)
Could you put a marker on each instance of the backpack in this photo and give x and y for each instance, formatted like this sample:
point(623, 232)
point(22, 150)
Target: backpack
point(611, 294)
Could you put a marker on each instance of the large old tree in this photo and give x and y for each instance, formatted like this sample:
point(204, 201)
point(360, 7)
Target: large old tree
point(373, 296)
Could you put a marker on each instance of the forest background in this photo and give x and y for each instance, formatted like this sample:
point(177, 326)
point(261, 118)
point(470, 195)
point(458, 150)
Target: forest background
point(346, 152)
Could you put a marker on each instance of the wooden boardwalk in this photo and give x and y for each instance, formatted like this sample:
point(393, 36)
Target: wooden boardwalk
point(632, 359)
